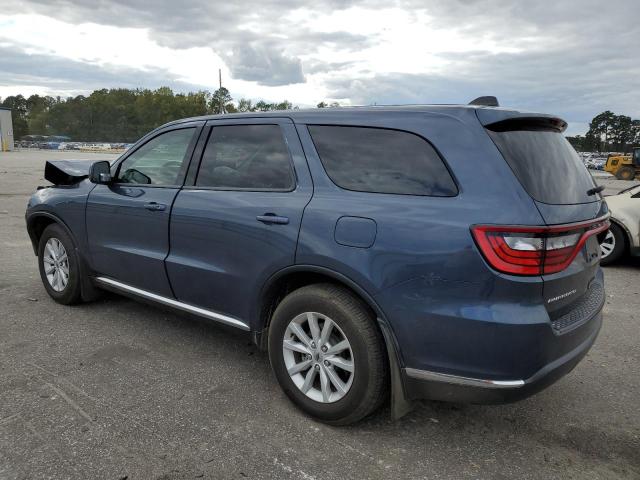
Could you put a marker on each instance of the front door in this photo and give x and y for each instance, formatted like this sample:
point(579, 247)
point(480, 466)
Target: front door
point(238, 222)
point(128, 221)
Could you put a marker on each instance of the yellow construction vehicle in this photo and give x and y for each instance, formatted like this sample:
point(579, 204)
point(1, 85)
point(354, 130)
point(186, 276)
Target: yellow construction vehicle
point(624, 167)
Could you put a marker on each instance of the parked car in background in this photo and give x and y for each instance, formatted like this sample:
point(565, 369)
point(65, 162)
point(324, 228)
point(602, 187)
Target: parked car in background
point(594, 161)
point(376, 253)
point(623, 236)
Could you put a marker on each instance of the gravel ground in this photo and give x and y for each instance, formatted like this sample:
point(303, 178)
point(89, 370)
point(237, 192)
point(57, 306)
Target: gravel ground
point(115, 389)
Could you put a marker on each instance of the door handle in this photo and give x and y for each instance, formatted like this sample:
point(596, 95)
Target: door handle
point(272, 218)
point(155, 206)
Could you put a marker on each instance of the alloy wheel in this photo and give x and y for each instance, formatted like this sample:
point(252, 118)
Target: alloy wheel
point(608, 244)
point(56, 264)
point(318, 357)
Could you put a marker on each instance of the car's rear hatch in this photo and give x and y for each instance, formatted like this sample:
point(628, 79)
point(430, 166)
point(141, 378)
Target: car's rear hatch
point(561, 187)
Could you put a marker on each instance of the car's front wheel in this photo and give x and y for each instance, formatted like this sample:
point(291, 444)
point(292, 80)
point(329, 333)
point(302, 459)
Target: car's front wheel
point(328, 354)
point(58, 263)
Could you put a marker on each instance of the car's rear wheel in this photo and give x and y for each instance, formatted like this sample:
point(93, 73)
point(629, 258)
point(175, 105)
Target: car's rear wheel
point(613, 245)
point(328, 354)
point(58, 264)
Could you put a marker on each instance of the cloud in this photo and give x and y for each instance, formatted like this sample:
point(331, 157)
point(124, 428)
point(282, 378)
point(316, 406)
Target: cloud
point(265, 66)
point(574, 57)
point(57, 74)
point(253, 30)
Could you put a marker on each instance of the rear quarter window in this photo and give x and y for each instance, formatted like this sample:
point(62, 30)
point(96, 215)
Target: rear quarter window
point(379, 160)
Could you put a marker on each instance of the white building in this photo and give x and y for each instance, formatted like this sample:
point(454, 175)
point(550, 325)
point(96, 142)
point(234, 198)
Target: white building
point(6, 130)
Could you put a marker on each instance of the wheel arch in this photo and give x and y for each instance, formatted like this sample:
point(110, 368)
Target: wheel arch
point(627, 234)
point(294, 277)
point(37, 222)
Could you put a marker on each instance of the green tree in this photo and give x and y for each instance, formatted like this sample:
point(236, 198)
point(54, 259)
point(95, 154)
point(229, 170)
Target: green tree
point(577, 142)
point(220, 99)
point(284, 105)
point(621, 133)
point(245, 105)
point(19, 114)
point(262, 106)
point(600, 127)
point(119, 114)
point(324, 104)
point(635, 133)
point(611, 132)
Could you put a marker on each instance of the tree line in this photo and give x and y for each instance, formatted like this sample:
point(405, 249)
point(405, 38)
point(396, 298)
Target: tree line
point(121, 114)
point(124, 115)
point(608, 132)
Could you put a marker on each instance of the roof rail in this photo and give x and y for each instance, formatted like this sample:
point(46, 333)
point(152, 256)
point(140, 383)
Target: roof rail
point(488, 101)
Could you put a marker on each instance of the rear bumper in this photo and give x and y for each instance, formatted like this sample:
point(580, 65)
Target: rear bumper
point(423, 384)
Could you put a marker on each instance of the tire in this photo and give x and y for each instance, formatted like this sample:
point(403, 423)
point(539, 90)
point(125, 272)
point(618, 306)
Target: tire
point(614, 245)
point(625, 173)
point(366, 385)
point(57, 252)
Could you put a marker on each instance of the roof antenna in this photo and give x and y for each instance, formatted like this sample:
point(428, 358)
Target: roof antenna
point(488, 101)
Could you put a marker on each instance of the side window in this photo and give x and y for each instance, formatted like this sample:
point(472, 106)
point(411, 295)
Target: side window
point(381, 161)
point(157, 162)
point(246, 157)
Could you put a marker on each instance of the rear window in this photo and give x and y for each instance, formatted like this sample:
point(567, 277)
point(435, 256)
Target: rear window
point(381, 161)
point(546, 165)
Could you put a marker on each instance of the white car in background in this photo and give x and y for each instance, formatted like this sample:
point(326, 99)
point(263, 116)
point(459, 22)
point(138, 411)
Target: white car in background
point(623, 237)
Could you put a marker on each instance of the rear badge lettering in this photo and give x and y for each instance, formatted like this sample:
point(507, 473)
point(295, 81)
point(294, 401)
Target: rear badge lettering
point(560, 297)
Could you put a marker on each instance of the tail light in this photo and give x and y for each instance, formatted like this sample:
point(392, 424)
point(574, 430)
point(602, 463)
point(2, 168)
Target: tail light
point(521, 250)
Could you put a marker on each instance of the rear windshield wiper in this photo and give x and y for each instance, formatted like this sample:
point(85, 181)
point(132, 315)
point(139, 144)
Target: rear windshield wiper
point(594, 190)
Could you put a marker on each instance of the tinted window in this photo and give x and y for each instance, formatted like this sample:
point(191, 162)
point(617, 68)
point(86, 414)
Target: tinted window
point(382, 161)
point(246, 157)
point(157, 162)
point(547, 165)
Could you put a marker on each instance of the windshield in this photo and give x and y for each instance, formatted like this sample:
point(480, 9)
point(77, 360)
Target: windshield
point(632, 190)
point(546, 165)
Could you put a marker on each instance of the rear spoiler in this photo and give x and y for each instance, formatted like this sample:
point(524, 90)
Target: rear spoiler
point(67, 172)
point(508, 120)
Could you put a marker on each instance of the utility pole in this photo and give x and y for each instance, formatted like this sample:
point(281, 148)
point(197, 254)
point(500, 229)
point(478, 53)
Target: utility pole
point(222, 110)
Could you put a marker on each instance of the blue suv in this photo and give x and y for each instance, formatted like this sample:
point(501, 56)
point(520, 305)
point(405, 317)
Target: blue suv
point(378, 253)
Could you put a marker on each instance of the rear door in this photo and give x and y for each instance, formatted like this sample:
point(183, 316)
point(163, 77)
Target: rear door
point(128, 220)
point(237, 221)
point(552, 173)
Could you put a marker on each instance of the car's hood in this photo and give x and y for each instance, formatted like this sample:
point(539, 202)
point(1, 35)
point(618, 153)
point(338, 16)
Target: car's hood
point(67, 172)
point(622, 200)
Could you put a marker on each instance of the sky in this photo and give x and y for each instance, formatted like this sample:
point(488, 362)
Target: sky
point(573, 58)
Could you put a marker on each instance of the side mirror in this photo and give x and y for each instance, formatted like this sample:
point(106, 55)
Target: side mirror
point(100, 172)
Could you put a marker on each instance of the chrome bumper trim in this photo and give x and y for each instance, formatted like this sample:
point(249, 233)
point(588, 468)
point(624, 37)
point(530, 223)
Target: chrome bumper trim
point(185, 307)
point(454, 379)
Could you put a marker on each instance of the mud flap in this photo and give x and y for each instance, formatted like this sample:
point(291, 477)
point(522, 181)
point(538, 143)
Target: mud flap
point(400, 405)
